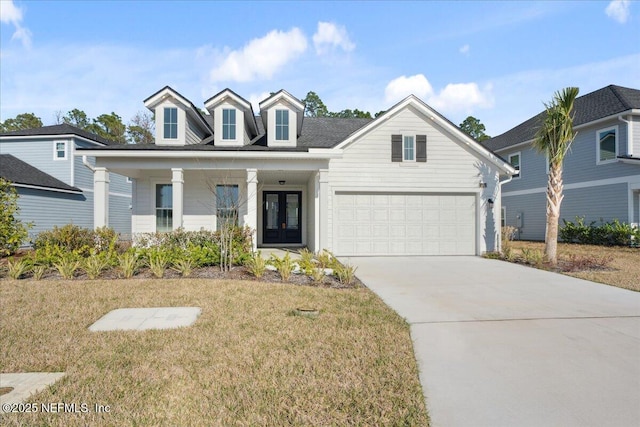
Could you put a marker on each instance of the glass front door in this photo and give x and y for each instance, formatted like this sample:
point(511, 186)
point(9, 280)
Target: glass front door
point(282, 217)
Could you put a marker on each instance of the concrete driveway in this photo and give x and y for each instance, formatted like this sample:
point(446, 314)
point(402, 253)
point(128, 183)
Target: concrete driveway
point(500, 344)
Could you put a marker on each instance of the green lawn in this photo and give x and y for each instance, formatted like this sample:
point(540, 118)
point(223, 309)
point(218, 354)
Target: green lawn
point(247, 360)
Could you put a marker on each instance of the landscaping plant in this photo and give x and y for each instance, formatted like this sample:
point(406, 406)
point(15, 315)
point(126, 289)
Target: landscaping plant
point(67, 266)
point(38, 271)
point(183, 265)
point(12, 230)
point(256, 265)
point(129, 263)
point(346, 274)
point(158, 262)
point(18, 267)
point(94, 265)
point(284, 265)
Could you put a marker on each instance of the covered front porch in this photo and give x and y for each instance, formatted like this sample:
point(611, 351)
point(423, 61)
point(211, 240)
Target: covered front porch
point(284, 203)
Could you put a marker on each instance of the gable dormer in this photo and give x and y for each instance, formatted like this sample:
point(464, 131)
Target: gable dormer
point(233, 119)
point(282, 116)
point(178, 121)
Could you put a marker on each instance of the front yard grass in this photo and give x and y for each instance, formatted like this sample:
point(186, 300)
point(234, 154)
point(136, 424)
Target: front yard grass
point(622, 267)
point(246, 361)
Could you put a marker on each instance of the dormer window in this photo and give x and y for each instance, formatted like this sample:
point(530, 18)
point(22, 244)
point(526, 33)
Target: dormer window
point(229, 123)
point(170, 123)
point(282, 125)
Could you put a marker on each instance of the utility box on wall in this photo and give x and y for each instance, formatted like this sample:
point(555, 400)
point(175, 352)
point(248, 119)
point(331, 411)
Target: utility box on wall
point(519, 219)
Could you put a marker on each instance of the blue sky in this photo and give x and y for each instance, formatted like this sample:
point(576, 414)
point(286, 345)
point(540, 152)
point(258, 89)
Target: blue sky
point(497, 61)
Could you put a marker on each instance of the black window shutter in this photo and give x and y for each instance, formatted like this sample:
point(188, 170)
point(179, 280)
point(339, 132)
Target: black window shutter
point(396, 148)
point(421, 148)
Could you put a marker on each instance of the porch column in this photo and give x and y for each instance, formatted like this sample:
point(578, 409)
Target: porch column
point(323, 196)
point(100, 197)
point(251, 218)
point(177, 184)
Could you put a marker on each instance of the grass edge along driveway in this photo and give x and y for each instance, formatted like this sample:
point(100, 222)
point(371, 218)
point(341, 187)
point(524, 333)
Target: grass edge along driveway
point(246, 361)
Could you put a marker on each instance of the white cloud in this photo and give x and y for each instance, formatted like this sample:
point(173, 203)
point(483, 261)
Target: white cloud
point(618, 10)
point(330, 36)
point(455, 97)
point(12, 14)
point(465, 49)
point(404, 86)
point(261, 58)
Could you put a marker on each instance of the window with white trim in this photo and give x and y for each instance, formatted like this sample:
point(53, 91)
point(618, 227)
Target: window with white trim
point(282, 125)
point(408, 148)
point(59, 150)
point(607, 145)
point(514, 160)
point(229, 123)
point(227, 198)
point(164, 207)
point(170, 123)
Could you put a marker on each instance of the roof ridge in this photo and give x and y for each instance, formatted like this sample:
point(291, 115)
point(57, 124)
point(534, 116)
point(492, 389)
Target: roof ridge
point(618, 95)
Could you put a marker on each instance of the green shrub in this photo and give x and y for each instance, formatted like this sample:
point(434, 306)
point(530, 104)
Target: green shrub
point(12, 230)
point(284, 265)
point(325, 259)
point(18, 267)
point(307, 262)
point(533, 256)
point(205, 255)
point(67, 266)
point(129, 263)
point(105, 239)
point(256, 265)
point(71, 238)
point(47, 255)
point(614, 233)
point(317, 275)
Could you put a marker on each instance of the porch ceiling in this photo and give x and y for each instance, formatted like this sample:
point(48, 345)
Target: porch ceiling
point(290, 177)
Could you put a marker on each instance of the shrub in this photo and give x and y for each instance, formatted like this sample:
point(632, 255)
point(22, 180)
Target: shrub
point(285, 265)
point(129, 263)
point(67, 266)
point(71, 238)
point(533, 256)
point(12, 230)
point(346, 274)
point(317, 275)
point(613, 233)
point(325, 259)
point(105, 239)
point(205, 255)
point(307, 262)
point(18, 267)
point(47, 255)
point(256, 265)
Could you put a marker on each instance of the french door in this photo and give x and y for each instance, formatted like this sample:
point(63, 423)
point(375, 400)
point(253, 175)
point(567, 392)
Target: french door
point(282, 217)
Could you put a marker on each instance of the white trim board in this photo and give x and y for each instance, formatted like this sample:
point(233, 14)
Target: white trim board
point(586, 184)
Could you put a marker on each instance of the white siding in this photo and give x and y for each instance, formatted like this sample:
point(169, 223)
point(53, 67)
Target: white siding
point(271, 125)
point(182, 127)
point(451, 168)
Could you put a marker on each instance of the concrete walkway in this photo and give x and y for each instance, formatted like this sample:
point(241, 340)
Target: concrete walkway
point(500, 344)
point(25, 384)
point(142, 319)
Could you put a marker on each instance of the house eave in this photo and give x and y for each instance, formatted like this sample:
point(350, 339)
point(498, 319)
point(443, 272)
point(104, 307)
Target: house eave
point(38, 187)
point(313, 153)
point(53, 136)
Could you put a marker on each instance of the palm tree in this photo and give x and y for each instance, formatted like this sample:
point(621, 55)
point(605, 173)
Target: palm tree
point(554, 138)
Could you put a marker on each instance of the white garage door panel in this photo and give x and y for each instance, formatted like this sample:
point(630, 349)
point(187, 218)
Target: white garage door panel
point(394, 224)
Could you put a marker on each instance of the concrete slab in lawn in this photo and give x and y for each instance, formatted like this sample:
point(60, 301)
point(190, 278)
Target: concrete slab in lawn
point(500, 344)
point(141, 319)
point(26, 384)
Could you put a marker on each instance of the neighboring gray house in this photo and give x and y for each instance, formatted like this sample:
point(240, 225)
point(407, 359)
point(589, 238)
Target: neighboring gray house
point(601, 171)
point(407, 183)
point(54, 185)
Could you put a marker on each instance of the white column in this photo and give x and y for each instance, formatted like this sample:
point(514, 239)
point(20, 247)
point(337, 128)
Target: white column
point(177, 184)
point(323, 190)
point(251, 218)
point(100, 197)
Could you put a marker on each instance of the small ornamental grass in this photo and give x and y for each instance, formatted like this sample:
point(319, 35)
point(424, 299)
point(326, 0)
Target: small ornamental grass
point(158, 262)
point(38, 271)
point(256, 265)
point(284, 265)
point(16, 268)
point(67, 266)
point(95, 265)
point(183, 265)
point(129, 263)
point(345, 273)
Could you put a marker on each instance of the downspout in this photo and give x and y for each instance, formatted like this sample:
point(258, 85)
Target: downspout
point(506, 181)
point(87, 164)
point(629, 134)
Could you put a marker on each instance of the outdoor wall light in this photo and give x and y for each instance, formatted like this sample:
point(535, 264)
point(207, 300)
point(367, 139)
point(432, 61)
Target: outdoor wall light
point(490, 203)
point(281, 182)
point(483, 185)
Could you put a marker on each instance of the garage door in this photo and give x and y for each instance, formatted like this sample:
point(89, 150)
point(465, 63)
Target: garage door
point(404, 224)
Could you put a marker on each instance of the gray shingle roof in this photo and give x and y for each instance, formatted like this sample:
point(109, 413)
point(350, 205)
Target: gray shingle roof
point(63, 129)
point(604, 102)
point(18, 172)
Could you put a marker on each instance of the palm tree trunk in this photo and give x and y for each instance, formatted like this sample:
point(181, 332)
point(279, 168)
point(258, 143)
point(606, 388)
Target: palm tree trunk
point(554, 199)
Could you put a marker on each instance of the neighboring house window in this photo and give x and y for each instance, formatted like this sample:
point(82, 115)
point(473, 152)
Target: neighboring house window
point(170, 123)
point(408, 149)
point(164, 207)
point(514, 159)
point(226, 205)
point(607, 144)
point(229, 123)
point(282, 125)
point(59, 150)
